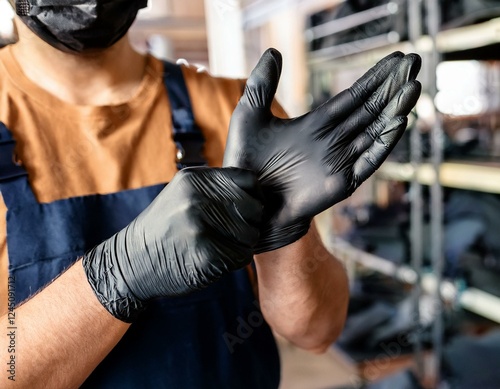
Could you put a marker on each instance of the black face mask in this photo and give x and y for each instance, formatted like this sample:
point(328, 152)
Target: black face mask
point(79, 25)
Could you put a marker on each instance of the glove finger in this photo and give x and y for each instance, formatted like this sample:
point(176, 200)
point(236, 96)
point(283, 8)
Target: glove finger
point(404, 101)
point(247, 187)
point(379, 100)
point(395, 66)
point(263, 82)
point(233, 188)
point(399, 106)
point(343, 104)
point(378, 150)
point(230, 214)
point(384, 133)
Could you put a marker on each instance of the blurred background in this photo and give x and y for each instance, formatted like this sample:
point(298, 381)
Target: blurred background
point(421, 239)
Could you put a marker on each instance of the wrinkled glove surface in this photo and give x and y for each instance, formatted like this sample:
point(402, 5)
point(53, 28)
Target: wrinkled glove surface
point(202, 226)
point(307, 164)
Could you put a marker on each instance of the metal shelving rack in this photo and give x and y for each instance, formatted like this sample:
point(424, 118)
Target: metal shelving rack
point(435, 173)
point(472, 299)
point(480, 177)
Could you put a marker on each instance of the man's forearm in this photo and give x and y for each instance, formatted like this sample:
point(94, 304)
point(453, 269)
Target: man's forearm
point(60, 335)
point(303, 292)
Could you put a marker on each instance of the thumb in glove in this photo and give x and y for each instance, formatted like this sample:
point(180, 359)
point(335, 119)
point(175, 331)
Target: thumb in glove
point(309, 163)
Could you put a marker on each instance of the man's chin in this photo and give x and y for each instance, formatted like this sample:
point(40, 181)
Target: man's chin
point(97, 51)
point(91, 52)
point(87, 52)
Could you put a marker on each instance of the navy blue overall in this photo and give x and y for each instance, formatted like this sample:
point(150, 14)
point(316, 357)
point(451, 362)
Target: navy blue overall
point(215, 338)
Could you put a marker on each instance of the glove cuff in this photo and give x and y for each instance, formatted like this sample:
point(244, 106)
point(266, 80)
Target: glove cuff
point(107, 281)
point(272, 238)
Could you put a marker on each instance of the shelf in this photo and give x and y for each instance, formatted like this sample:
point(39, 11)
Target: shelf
point(363, 54)
point(465, 38)
point(347, 253)
point(348, 22)
point(256, 13)
point(471, 299)
point(481, 177)
point(360, 53)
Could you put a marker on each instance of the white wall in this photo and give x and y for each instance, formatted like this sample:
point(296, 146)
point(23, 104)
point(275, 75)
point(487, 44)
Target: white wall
point(225, 38)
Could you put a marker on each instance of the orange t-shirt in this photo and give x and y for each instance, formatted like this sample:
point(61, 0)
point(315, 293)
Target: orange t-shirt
point(70, 150)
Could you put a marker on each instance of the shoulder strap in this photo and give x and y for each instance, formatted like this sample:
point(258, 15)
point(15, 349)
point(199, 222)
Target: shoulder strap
point(9, 169)
point(187, 135)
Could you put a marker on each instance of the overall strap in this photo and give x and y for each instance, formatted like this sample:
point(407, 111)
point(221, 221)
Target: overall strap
point(14, 184)
point(9, 169)
point(187, 135)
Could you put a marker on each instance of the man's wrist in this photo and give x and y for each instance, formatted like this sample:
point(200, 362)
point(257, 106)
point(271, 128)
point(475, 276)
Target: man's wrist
point(273, 238)
point(106, 280)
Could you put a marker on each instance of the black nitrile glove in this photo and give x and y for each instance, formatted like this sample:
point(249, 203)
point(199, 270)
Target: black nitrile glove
point(202, 226)
point(307, 164)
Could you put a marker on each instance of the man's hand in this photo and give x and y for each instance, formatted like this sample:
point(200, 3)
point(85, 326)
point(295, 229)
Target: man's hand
point(307, 164)
point(202, 226)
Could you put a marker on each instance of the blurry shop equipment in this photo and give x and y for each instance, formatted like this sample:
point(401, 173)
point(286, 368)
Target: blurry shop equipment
point(421, 240)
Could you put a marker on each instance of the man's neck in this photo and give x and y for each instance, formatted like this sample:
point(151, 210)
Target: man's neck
point(107, 77)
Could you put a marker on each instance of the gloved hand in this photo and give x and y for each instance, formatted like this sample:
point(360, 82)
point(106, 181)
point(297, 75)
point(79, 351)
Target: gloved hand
point(307, 164)
point(202, 226)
